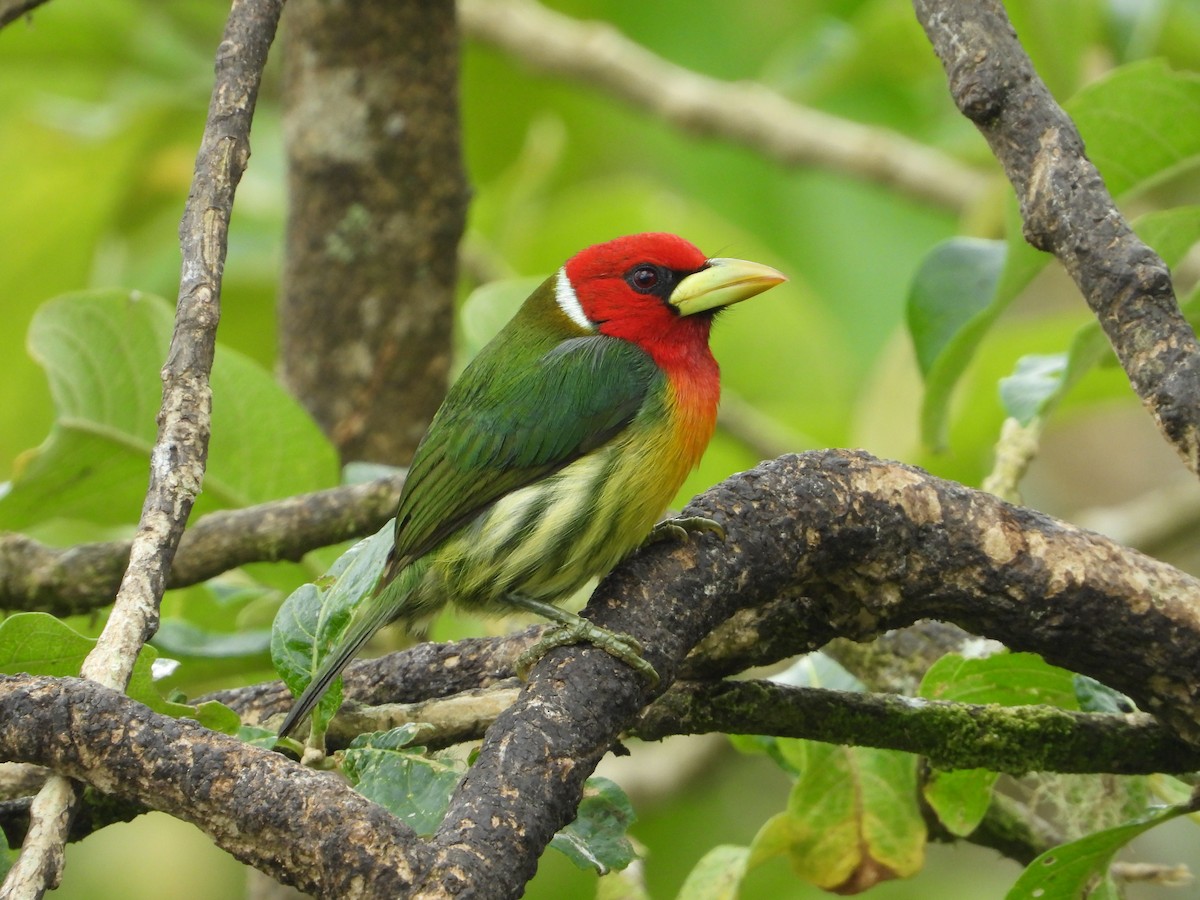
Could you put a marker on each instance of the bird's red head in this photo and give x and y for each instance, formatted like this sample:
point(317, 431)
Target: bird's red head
point(658, 291)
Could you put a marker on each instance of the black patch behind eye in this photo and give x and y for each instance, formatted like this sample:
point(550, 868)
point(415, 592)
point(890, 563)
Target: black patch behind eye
point(657, 281)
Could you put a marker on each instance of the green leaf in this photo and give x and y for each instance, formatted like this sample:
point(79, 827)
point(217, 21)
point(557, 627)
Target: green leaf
point(296, 649)
point(947, 321)
point(960, 798)
point(314, 617)
point(622, 884)
point(102, 352)
point(411, 786)
point(718, 875)
point(818, 670)
point(1008, 679)
point(1141, 122)
point(393, 739)
point(1100, 698)
point(1039, 383)
point(851, 820)
point(257, 736)
point(177, 637)
point(488, 309)
point(597, 838)
point(217, 716)
point(953, 285)
point(1069, 871)
point(40, 644)
point(950, 307)
point(1037, 378)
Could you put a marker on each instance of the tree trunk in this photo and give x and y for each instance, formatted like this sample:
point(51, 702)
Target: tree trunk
point(377, 205)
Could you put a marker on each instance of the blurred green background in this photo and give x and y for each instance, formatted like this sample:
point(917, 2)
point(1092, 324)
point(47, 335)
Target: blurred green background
point(101, 109)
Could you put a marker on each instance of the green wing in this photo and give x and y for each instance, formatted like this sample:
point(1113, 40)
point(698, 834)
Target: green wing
point(516, 415)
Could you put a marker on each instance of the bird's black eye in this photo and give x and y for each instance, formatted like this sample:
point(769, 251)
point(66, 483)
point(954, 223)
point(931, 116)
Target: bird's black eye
point(643, 279)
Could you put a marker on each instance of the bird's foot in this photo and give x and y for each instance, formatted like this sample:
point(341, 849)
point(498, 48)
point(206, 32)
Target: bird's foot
point(678, 529)
point(564, 634)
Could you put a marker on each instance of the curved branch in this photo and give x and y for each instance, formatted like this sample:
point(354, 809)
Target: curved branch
point(1068, 211)
point(290, 821)
point(854, 546)
point(863, 546)
point(747, 113)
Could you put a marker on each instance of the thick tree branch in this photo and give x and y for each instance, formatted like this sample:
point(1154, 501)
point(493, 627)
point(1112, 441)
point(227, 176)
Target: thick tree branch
point(71, 580)
point(289, 821)
point(178, 456)
point(747, 113)
point(1067, 210)
point(857, 545)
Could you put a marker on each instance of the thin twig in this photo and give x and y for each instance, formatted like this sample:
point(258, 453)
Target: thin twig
point(71, 580)
point(178, 457)
point(748, 113)
point(11, 10)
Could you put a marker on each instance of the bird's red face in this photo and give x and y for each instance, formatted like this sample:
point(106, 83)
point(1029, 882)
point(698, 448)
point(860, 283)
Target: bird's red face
point(656, 290)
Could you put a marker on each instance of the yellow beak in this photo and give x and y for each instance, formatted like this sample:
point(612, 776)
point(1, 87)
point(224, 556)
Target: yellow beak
point(722, 282)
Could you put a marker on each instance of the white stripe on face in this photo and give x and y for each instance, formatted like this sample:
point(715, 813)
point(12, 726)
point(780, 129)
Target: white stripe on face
point(564, 294)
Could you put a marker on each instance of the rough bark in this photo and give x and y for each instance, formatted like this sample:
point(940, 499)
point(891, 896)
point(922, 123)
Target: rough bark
point(1067, 210)
point(855, 544)
point(70, 580)
point(377, 205)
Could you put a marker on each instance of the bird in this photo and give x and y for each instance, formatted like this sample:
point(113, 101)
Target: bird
point(558, 449)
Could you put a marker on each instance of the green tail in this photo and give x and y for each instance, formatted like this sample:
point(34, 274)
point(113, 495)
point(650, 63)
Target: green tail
point(386, 603)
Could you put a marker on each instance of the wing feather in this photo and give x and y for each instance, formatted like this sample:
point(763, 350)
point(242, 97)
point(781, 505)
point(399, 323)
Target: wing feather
point(503, 427)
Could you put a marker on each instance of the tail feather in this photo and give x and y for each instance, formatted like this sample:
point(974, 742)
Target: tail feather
point(359, 633)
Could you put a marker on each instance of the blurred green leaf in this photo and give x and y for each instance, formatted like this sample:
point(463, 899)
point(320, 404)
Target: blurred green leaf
point(718, 874)
point(597, 839)
point(851, 819)
point(1036, 380)
point(102, 352)
point(1008, 679)
point(393, 739)
point(1141, 123)
point(960, 798)
point(218, 717)
point(257, 736)
point(819, 670)
point(1100, 698)
point(1071, 871)
point(950, 308)
point(39, 644)
point(177, 637)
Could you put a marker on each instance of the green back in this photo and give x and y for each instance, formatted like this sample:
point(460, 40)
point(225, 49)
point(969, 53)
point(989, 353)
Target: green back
point(532, 401)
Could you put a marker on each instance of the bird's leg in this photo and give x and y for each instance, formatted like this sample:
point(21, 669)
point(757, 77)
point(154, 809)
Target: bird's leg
point(569, 629)
point(679, 528)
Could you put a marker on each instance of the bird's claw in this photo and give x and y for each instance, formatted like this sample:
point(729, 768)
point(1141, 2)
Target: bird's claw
point(623, 646)
point(679, 528)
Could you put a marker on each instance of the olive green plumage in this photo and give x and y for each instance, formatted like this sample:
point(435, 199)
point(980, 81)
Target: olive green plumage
point(560, 445)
